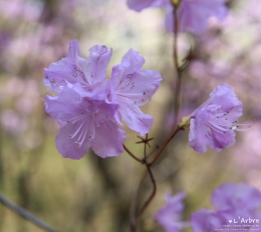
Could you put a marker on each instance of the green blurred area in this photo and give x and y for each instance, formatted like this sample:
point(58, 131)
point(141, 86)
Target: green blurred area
point(94, 194)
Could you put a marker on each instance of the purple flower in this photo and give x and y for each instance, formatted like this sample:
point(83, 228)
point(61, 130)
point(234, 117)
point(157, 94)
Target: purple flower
point(237, 206)
point(131, 88)
point(215, 121)
point(192, 15)
point(90, 107)
point(170, 215)
point(236, 196)
point(86, 121)
point(206, 220)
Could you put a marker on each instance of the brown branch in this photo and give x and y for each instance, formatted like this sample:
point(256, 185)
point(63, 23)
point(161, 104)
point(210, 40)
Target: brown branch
point(25, 214)
point(144, 207)
point(176, 66)
point(135, 220)
point(133, 210)
point(162, 148)
point(131, 154)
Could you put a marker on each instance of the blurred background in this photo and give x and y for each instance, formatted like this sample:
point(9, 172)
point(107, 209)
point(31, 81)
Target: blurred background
point(94, 194)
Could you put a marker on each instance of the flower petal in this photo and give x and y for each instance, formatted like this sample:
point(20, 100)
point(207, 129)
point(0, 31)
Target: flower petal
point(139, 5)
point(109, 139)
point(197, 138)
point(134, 117)
point(140, 86)
point(70, 147)
point(240, 196)
point(96, 64)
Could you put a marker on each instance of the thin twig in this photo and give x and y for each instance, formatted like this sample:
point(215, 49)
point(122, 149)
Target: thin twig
point(164, 146)
point(135, 220)
point(25, 214)
point(134, 204)
point(176, 66)
point(131, 154)
point(144, 207)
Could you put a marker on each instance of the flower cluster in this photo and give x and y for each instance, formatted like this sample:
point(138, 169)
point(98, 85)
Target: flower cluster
point(237, 206)
point(90, 107)
point(192, 15)
point(215, 121)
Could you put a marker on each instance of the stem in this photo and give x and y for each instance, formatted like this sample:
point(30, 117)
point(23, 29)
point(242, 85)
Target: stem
point(131, 154)
point(25, 214)
point(133, 221)
point(144, 207)
point(176, 66)
point(164, 146)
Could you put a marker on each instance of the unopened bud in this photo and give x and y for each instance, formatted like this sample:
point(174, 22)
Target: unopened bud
point(184, 123)
point(176, 3)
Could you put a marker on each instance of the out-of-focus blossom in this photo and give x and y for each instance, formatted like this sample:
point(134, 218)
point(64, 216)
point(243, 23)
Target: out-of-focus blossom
point(240, 196)
point(214, 123)
point(192, 15)
point(169, 217)
point(237, 206)
point(89, 107)
point(26, 10)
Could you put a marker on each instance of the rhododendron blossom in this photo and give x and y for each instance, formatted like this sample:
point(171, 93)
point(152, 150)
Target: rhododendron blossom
point(214, 123)
point(89, 106)
point(169, 217)
point(192, 15)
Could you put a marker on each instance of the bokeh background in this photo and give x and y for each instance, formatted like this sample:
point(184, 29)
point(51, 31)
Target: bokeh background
point(94, 194)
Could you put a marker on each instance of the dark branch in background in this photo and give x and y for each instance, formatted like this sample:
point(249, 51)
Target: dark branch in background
point(146, 204)
point(25, 214)
point(162, 148)
point(177, 69)
point(133, 210)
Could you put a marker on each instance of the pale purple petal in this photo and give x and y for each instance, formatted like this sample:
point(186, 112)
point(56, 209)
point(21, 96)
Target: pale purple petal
point(130, 63)
point(71, 147)
point(109, 139)
point(217, 141)
point(197, 138)
point(224, 96)
point(96, 64)
point(206, 220)
point(238, 196)
point(139, 87)
point(64, 106)
point(134, 117)
point(139, 5)
point(169, 217)
point(74, 52)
